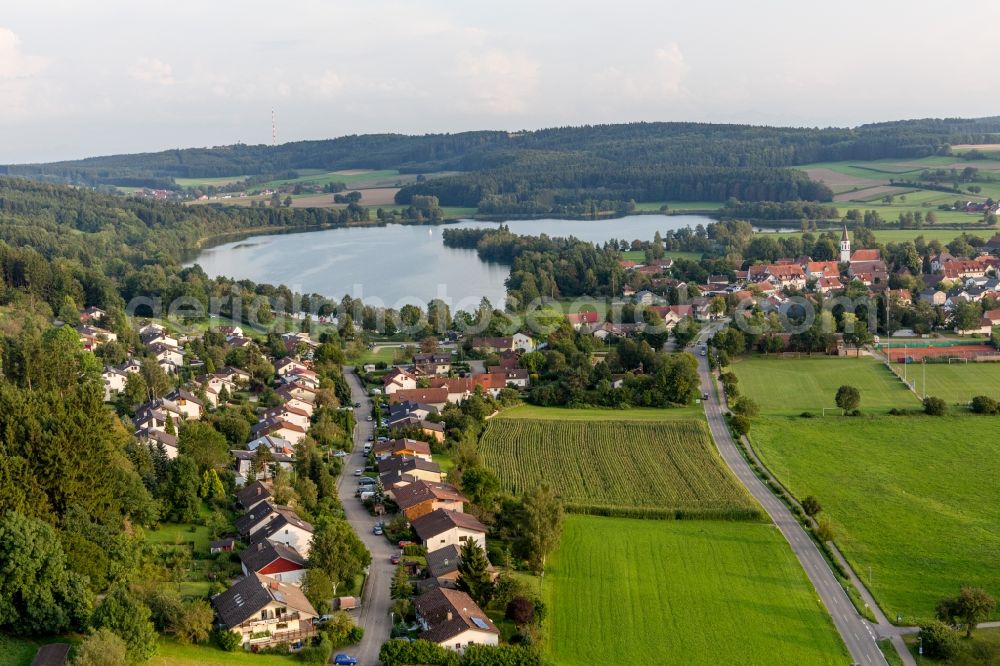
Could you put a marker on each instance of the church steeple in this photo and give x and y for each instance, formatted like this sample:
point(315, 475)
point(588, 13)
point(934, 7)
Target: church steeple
point(845, 246)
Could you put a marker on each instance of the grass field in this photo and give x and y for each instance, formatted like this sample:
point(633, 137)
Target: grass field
point(958, 382)
point(623, 591)
point(597, 414)
point(914, 500)
point(171, 653)
point(793, 385)
point(657, 469)
point(640, 255)
point(201, 182)
point(17, 651)
point(349, 177)
point(898, 235)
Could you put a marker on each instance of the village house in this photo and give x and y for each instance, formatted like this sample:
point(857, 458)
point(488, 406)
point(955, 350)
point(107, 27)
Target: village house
point(442, 565)
point(435, 397)
point(451, 619)
point(288, 529)
point(183, 402)
point(398, 379)
point(933, 296)
point(262, 607)
point(280, 428)
point(580, 319)
point(404, 410)
point(92, 337)
point(443, 527)
point(275, 444)
point(434, 364)
point(518, 341)
point(299, 417)
point(275, 560)
point(92, 315)
point(401, 470)
point(993, 316)
point(152, 334)
point(169, 357)
point(428, 429)
point(420, 498)
point(157, 438)
point(252, 495)
point(244, 463)
point(402, 447)
point(286, 366)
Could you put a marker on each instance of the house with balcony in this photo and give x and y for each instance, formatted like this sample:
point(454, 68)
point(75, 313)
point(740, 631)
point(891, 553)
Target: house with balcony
point(264, 611)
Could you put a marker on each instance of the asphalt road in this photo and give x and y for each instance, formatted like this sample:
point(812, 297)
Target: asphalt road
point(375, 603)
point(856, 633)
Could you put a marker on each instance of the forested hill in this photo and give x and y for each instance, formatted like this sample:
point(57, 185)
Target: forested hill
point(676, 144)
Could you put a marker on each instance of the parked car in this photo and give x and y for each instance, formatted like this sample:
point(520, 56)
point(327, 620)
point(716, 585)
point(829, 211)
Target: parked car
point(356, 405)
point(395, 558)
point(371, 438)
point(340, 454)
point(322, 619)
point(377, 530)
point(366, 481)
point(404, 544)
point(704, 396)
point(359, 471)
point(369, 417)
point(345, 660)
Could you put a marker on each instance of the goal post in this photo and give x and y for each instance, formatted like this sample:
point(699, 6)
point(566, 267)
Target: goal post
point(958, 358)
point(833, 409)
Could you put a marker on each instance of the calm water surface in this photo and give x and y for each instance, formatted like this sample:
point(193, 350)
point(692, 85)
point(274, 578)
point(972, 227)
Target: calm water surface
point(398, 264)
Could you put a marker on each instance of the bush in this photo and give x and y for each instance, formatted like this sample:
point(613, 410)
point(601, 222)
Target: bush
point(396, 653)
point(520, 610)
point(807, 415)
point(939, 640)
point(824, 530)
point(935, 406)
point(319, 652)
point(982, 404)
point(744, 406)
point(228, 640)
point(741, 424)
point(811, 506)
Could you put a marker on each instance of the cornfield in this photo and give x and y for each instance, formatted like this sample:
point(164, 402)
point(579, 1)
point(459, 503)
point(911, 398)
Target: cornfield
point(619, 468)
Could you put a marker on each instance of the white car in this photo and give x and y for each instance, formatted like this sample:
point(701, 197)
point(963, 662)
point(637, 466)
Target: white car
point(359, 472)
point(340, 454)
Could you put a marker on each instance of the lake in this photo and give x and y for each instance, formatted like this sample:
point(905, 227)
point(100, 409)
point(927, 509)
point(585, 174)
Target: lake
point(397, 264)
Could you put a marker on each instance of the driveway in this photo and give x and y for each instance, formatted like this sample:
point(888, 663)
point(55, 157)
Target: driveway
point(375, 602)
point(854, 630)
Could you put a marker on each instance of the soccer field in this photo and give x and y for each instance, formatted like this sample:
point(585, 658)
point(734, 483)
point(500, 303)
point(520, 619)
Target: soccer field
point(791, 386)
point(914, 500)
point(958, 383)
point(623, 591)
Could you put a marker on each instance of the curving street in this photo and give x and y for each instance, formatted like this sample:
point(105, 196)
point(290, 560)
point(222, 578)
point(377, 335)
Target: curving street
point(375, 602)
point(854, 630)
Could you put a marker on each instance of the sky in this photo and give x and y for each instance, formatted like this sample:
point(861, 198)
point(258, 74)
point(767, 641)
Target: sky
point(102, 77)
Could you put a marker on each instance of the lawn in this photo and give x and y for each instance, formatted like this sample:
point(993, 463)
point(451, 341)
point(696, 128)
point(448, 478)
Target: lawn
point(180, 533)
point(171, 653)
point(639, 256)
point(914, 500)
point(659, 470)
point(597, 414)
point(793, 385)
point(958, 382)
point(17, 651)
point(623, 591)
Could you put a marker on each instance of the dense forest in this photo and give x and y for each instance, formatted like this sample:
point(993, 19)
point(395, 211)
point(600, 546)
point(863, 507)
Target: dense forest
point(567, 169)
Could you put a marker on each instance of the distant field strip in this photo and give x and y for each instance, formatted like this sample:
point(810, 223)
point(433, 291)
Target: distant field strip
point(662, 470)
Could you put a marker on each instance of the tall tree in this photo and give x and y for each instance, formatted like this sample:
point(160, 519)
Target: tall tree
point(848, 398)
point(128, 617)
point(542, 523)
point(473, 573)
point(337, 551)
point(38, 593)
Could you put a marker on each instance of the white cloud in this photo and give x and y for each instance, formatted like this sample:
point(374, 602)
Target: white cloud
point(659, 79)
point(152, 70)
point(329, 84)
point(18, 76)
point(497, 82)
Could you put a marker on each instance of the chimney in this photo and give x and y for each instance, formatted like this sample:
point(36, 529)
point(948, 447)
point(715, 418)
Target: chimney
point(449, 616)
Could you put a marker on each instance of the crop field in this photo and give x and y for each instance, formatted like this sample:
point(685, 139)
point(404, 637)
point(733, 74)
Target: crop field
point(597, 414)
point(622, 591)
point(217, 182)
point(914, 500)
point(791, 386)
point(662, 470)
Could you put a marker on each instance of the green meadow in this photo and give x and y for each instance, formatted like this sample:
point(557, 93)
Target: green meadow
point(627, 591)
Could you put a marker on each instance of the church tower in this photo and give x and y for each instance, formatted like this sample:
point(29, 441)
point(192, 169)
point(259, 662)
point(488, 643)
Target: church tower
point(845, 247)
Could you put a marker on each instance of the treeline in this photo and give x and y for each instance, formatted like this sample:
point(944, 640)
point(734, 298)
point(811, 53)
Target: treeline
point(784, 210)
point(583, 163)
point(541, 186)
